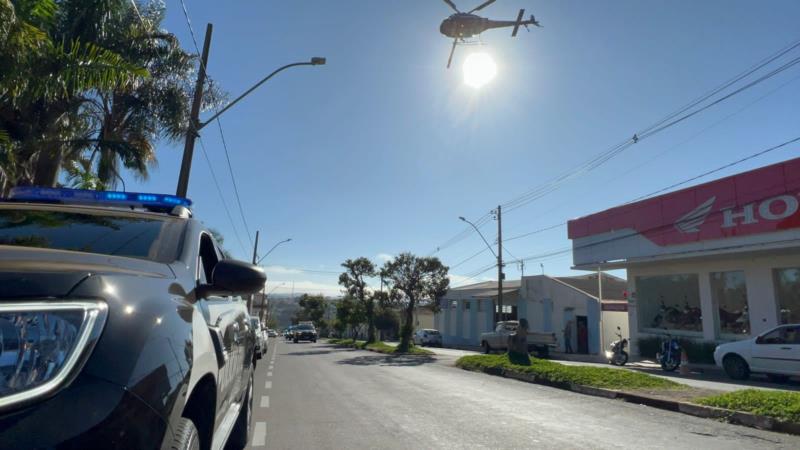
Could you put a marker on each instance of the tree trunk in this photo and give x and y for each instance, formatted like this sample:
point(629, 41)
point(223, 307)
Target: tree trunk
point(48, 165)
point(370, 322)
point(408, 327)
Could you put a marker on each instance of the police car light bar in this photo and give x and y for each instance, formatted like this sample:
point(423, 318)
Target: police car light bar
point(85, 196)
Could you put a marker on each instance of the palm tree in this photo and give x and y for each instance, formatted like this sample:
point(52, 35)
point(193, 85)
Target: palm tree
point(47, 70)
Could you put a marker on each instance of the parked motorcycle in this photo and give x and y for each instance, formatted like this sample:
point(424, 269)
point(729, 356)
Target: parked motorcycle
point(616, 353)
point(670, 355)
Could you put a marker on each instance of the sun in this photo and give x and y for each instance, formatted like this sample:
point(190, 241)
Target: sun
point(479, 69)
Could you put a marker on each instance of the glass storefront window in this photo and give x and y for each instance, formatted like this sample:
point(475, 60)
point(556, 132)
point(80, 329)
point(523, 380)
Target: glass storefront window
point(729, 294)
point(787, 292)
point(669, 301)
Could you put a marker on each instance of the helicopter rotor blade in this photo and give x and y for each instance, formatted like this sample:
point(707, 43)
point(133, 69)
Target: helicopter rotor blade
point(452, 50)
point(452, 5)
point(483, 5)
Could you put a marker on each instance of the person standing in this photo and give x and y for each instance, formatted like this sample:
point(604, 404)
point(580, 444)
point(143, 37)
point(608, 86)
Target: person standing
point(568, 337)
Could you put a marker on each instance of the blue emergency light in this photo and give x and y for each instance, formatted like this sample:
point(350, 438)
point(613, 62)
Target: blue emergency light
point(84, 196)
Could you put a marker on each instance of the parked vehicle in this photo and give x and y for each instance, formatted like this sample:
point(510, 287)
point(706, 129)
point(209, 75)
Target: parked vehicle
point(428, 336)
point(616, 353)
point(775, 353)
point(304, 332)
point(121, 324)
point(541, 343)
point(261, 345)
point(272, 333)
point(670, 355)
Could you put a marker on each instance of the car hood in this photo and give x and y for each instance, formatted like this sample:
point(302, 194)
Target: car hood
point(34, 272)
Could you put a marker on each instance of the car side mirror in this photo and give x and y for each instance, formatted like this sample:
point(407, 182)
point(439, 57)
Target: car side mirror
point(231, 277)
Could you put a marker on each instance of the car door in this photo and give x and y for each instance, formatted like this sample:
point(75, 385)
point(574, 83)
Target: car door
point(225, 326)
point(777, 351)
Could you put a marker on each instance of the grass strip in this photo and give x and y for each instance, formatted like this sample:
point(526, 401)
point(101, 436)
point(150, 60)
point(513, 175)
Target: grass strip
point(780, 405)
point(555, 373)
point(379, 347)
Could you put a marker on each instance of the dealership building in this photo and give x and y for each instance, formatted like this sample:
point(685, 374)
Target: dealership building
point(715, 262)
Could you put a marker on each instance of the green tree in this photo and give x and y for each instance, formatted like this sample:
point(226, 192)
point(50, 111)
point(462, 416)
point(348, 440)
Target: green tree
point(349, 313)
point(413, 278)
point(353, 280)
point(312, 308)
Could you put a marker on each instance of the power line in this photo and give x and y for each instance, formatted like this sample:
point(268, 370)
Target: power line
point(485, 249)
point(219, 125)
point(665, 228)
point(221, 197)
point(659, 126)
point(540, 230)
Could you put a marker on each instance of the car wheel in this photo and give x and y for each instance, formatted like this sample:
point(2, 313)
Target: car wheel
point(736, 367)
point(185, 436)
point(486, 348)
point(777, 378)
point(240, 434)
point(296, 341)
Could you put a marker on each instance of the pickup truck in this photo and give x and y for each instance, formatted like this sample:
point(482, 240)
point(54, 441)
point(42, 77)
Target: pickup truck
point(498, 339)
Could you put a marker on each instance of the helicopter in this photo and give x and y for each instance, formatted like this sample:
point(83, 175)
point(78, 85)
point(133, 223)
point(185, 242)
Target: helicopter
point(463, 25)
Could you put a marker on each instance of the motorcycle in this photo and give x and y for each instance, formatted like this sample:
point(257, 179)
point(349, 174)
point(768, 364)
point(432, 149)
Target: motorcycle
point(670, 355)
point(616, 353)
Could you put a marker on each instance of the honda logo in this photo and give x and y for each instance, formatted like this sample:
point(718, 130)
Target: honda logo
point(690, 223)
point(774, 208)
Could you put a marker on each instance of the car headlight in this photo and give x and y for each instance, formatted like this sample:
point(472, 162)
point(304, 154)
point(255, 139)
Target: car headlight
point(43, 345)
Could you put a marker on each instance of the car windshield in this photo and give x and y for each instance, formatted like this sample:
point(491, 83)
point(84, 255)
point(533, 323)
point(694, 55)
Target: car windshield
point(304, 327)
point(107, 234)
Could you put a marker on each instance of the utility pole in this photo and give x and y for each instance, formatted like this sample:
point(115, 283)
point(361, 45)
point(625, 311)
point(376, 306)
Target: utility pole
point(500, 274)
point(521, 269)
point(255, 258)
point(194, 121)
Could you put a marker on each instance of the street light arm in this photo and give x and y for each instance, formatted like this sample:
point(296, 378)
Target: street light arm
point(273, 248)
point(480, 234)
point(314, 62)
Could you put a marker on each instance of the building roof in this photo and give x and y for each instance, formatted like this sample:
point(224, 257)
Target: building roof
point(613, 287)
point(485, 289)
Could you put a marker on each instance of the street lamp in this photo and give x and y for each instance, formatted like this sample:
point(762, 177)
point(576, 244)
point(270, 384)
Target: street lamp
point(195, 125)
point(273, 248)
point(500, 274)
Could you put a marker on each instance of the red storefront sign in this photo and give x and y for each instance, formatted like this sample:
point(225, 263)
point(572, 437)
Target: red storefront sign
point(760, 201)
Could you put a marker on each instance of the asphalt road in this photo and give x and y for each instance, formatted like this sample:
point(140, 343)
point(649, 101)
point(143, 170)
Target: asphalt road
point(316, 396)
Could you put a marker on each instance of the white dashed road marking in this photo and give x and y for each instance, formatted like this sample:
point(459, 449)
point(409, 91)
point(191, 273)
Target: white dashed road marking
point(265, 401)
point(269, 374)
point(268, 385)
point(259, 434)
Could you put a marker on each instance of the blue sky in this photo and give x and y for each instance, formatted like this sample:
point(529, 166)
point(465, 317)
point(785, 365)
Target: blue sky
point(382, 149)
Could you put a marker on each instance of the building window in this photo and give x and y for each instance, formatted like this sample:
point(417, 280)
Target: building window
point(453, 304)
point(787, 292)
point(729, 294)
point(506, 309)
point(480, 305)
point(669, 301)
point(466, 305)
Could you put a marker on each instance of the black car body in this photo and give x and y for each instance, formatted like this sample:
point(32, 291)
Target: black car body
point(168, 343)
point(304, 333)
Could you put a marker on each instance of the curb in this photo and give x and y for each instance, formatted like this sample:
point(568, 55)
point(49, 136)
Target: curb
point(433, 355)
point(692, 409)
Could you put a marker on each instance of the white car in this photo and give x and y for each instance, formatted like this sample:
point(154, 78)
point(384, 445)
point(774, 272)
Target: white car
point(428, 336)
point(775, 353)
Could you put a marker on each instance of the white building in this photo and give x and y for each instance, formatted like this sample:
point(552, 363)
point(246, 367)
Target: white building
point(714, 262)
point(547, 302)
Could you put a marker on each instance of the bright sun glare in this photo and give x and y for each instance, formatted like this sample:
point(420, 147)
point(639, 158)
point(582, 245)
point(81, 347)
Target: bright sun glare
point(479, 69)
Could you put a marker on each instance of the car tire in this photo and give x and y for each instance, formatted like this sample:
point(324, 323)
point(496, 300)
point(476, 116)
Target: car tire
point(486, 348)
point(186, 436)
point(736, 367)
point(240, 435)
point(296, 341)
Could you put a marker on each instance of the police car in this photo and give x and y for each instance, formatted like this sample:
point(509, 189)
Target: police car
point(121, 324)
